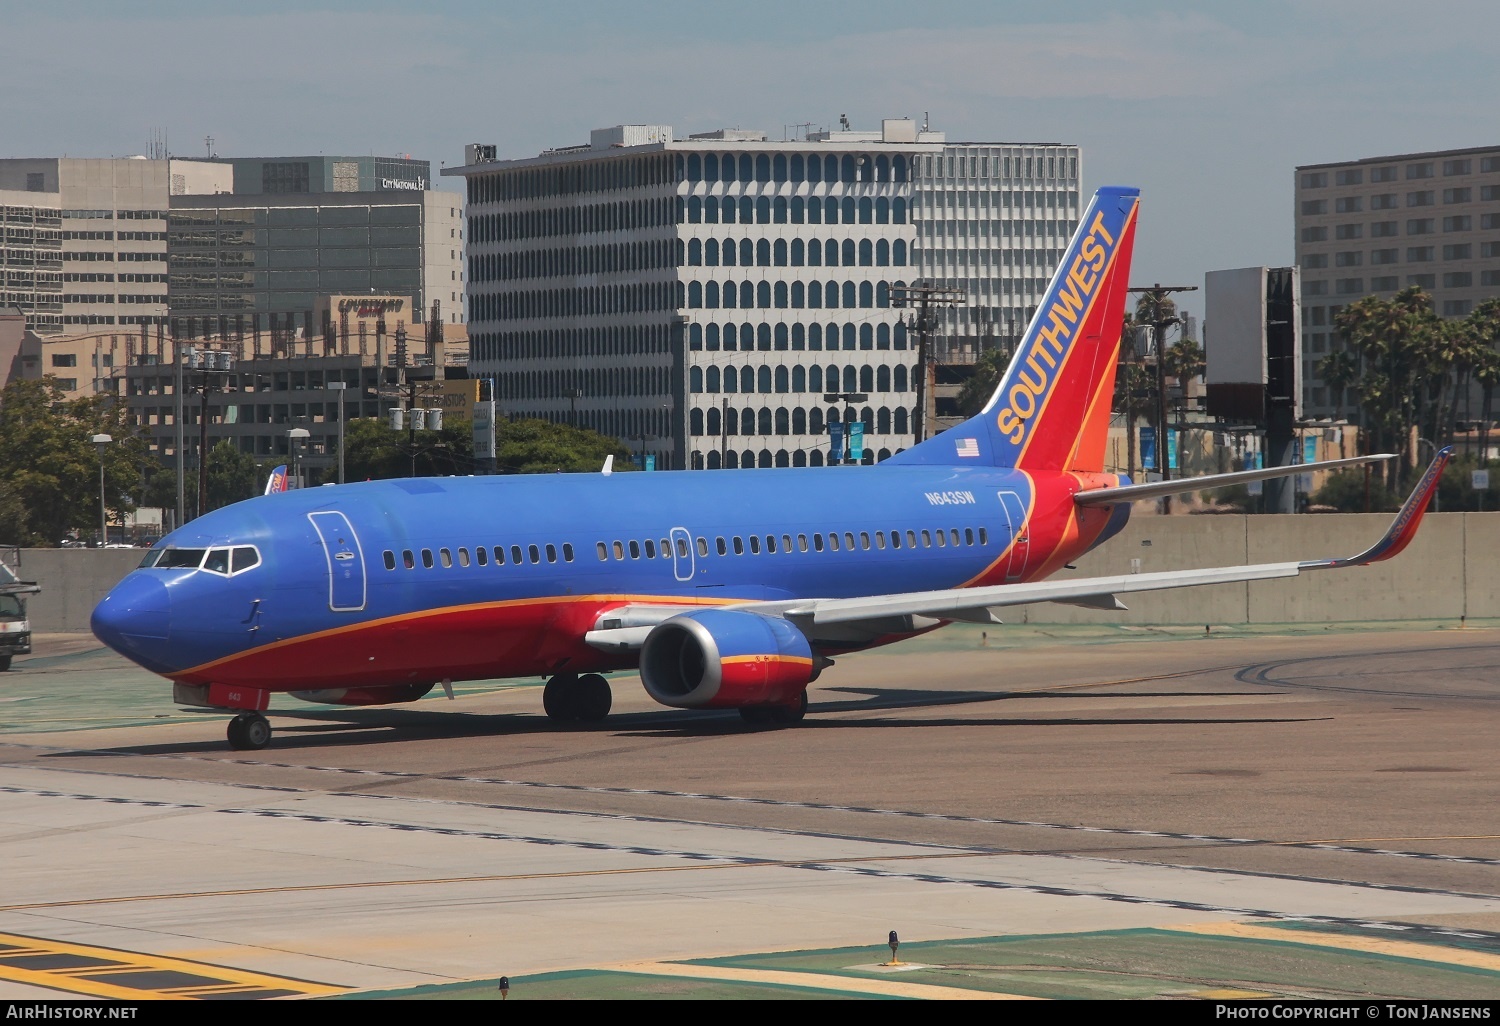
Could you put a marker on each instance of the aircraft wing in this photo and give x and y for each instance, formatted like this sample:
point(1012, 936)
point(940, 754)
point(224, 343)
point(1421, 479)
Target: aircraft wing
point(1157, 489)
point(833, 619)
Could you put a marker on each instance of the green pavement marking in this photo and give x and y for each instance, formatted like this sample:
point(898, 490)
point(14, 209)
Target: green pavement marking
point(1117, 964)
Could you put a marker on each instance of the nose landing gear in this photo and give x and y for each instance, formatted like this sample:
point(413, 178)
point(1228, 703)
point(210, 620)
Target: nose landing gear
point(249, 731)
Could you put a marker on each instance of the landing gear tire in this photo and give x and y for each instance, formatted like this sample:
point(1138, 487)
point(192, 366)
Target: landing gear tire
point(786, 715)
point(249, 731)
point(591, 698)
point(4, 662)
point(557, 698)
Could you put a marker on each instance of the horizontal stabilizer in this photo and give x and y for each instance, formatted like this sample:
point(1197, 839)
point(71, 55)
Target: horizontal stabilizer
point(1158, 489)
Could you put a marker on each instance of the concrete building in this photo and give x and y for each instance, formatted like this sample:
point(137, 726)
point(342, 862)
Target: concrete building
point(113, 227)
point(700, 297)
point(31, 259)
point(1377, 225)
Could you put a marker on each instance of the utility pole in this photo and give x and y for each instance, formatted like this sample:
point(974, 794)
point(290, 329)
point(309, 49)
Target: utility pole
point(1160, 322)
point(924, 296)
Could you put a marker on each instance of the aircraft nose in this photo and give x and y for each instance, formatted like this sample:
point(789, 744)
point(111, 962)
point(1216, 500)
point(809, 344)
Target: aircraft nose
point(135, 616)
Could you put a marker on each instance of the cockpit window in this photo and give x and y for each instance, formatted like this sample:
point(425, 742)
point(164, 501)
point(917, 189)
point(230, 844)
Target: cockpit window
point(180, 559)
point(217, 562)
point(244, 558)
point(152, 557)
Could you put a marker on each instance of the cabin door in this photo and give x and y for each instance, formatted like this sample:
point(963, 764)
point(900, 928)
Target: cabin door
point(682, 554)
point(1020, 532)
point(346, 561)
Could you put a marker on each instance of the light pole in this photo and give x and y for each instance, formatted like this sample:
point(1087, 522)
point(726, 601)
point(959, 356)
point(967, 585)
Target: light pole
point(295, 439)
point(848, 399)
point(340, 387)
point(100, 441)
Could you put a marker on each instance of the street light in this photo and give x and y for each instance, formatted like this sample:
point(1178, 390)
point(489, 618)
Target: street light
point(295, 439)
point(100, 441)
point(340, 387)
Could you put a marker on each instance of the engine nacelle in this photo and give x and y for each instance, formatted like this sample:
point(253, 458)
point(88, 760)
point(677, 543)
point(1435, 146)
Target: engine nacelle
point(725, 659)
point(365, 696)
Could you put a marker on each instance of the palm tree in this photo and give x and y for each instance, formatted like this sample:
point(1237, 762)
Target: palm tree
point(1485, 323)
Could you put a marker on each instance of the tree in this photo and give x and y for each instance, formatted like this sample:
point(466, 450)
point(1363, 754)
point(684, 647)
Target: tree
point(1484, 322)
point(373, 451)
point(232, 475)
point(1134, 388)
point(988, 370)
point(50, 466)
point(541, 447)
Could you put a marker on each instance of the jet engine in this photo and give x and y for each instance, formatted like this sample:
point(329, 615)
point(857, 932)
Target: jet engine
point(725, 659)
point(365, 696)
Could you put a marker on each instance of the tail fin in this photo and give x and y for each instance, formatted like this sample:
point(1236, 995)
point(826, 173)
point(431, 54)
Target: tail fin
point(277, 481)
point(1051, 410)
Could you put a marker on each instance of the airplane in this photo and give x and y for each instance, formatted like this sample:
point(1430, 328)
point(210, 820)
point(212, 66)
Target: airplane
point(725, 589)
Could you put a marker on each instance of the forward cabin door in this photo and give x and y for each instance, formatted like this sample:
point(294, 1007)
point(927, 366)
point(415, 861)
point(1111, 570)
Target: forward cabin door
point(346, 561)
point(1020, 531)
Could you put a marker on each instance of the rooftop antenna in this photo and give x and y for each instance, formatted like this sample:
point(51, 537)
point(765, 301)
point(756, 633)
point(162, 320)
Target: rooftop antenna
point(844, 121)
point(924, 121)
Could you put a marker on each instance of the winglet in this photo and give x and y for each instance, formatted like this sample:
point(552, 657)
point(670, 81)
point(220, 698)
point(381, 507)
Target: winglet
point(609, 465)
point(1403, 529)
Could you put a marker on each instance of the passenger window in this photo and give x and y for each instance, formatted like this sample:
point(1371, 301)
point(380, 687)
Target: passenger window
point(849, 540)
point(245, 557)
point(801, 543)
point(650, 549)
point(739, 546)
point(666, 549)
point(515, 554)
point(463, 557)
point(427, 558)
point(682, 549)
point(864, 540)
point(833, 541)
point(603, 552)
point(447, 558)
point(755, 545)
point(770, 543)
point(619, 550)
point(408, 560)
point(968, 536)
point(702, 546)
point(635, 550)
point(786, 543)
point(552, 553)
point(984, 537)
point(895, 539)
point(911, 539)
point(953, 536)
point(942, 539)
point(567, 552)
point(480, 556)
point(534, 553)
point(926, 539)
point(499, 555)
point(818, 542)
point(880, 539)
point(390, 560)
point(721, 546)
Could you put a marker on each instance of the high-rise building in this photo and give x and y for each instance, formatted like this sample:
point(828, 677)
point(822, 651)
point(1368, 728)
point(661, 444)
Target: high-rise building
point(1380, 224)
point(705, 298)
point(114, 232)
point(31, 260)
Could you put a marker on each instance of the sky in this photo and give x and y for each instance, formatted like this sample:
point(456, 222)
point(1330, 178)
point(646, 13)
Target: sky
point(1207, 107)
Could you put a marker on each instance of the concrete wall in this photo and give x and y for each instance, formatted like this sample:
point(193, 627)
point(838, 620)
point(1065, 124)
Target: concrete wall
point(1448, 571)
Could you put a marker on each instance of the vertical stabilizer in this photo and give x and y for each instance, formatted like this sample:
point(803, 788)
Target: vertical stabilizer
point(1051, 410)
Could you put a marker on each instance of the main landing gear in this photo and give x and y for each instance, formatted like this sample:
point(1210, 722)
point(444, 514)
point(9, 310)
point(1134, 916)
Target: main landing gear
point(779, 715)
point(249, 731)
point(570, 698)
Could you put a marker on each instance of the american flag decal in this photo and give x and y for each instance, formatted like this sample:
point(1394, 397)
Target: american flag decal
point(967, 446)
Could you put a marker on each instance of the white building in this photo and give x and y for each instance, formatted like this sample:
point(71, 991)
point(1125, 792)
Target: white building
point(114, 231)
point(701, 297)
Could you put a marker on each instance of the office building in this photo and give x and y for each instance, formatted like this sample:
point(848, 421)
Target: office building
point(31, 262)
point(701, 297)
point(113, 228)
point(1374, 226)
